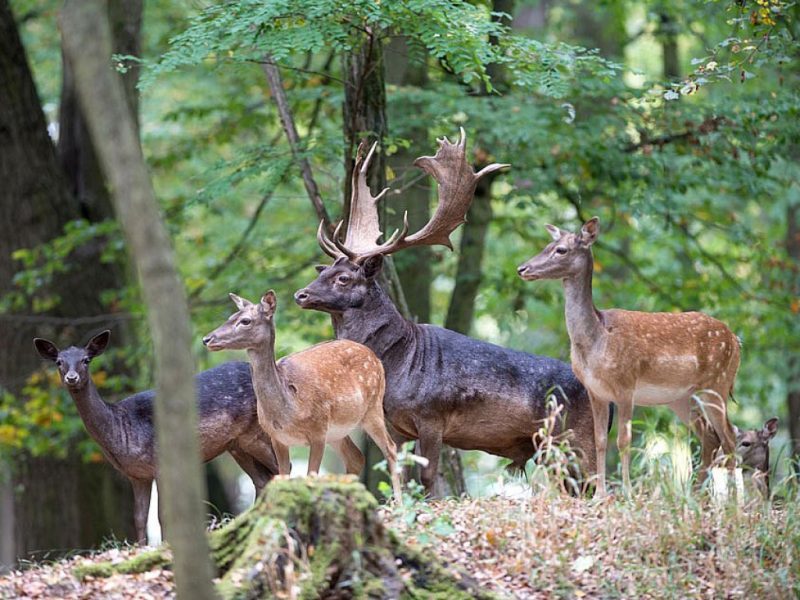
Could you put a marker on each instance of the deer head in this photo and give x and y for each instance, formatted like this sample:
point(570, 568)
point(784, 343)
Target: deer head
point(72, 362)
point(568, 255)
point(752, 445)
point(341, 286)
point(359, 256)
point(249, 327)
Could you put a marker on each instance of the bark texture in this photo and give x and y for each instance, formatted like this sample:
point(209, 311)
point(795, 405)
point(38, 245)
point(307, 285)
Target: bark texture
point(112, 128)
point(315, 538)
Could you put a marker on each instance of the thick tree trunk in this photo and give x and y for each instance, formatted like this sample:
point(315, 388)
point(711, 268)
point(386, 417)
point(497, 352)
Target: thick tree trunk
point(35, 204)
point(314, 538)
point(113, 131)
point(364, 111)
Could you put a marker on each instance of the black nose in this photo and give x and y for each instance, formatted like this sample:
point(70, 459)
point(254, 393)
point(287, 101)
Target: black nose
point(300, 296)
point(206, 340)
point(521, 269)
point(71, 378)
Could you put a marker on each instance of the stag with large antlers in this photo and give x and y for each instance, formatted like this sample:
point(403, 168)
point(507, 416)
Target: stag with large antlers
point(441, 386)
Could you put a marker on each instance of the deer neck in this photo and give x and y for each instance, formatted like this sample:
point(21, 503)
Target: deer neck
point(583, 319)
point(98, 416)
point(376, 323)
point(271, 392)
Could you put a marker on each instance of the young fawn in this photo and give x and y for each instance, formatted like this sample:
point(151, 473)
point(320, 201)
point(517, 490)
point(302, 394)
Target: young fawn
point(315, 396)
point(687, 361)
point(752, 450)
point(125, 431)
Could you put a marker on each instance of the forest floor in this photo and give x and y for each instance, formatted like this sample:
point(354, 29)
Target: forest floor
point(548, 546)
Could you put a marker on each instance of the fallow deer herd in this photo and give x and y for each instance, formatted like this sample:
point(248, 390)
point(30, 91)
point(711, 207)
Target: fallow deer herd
point(431, 384)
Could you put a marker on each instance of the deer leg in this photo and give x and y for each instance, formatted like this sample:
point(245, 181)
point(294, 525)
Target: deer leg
point(375, 427)
point(717, 415)
point(282, 454)
point(600, 417)
point(430, 445)
point(351, 456)
point(315, 456)
point(255, 471)
point(624, 435)
point(262, 452)
point(141, 507)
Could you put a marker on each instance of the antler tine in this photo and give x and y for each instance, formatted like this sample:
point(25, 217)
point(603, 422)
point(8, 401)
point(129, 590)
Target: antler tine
point(328, 247)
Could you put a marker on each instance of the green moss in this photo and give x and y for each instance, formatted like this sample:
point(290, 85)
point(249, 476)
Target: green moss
point(145, 561)
point(319, 535)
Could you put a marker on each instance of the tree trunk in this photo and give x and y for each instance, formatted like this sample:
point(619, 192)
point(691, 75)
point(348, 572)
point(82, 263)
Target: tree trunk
point(35, 204)
point(668, 31)
point(364, 112)
point(113, 131)
point(413, 265)
point(461, 310)
point(793, 379)
point(314, 538)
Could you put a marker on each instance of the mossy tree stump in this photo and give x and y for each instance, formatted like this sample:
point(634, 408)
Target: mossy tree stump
point(315, 538)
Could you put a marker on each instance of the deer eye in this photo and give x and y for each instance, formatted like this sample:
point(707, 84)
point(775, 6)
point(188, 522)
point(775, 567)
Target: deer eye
point(343, 279)
point(746, 444)
point(59, 362)
point(245, 322)
point(561, 250)
point(86, 360)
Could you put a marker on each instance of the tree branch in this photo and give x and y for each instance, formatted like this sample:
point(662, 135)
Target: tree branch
point(287, 120)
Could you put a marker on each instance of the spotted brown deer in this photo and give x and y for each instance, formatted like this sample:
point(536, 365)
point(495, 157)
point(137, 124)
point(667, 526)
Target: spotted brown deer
point(687, 361)
point(125, 430)
point(318, 395)
point(442, 386)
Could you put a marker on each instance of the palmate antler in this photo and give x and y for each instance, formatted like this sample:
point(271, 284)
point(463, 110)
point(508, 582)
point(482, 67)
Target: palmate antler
point(456, 185)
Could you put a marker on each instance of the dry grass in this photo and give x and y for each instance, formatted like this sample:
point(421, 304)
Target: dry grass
point(652, 545)
point(660, 543)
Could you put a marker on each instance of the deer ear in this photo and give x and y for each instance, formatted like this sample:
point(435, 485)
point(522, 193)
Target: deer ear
point(770, 428)
point(46, 348)
point(590, 231)
point(372, 266)
point(320, 268)
point(554, 232)
point(240, 302)
point(97, 345)
point(269, 303)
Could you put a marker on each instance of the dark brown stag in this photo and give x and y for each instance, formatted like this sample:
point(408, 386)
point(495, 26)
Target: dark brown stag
point(442, 386)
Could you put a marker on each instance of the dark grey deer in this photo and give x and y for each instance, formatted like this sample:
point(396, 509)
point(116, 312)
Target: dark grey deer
point(125, 431)
point(441, 386)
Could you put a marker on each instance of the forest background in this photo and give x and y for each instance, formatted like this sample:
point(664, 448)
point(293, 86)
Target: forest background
point(679, 128)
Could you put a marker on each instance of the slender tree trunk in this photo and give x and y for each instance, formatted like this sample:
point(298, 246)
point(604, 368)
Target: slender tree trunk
point(669, 43)
point(113, 131)
point(413, 265)
point(461, 309)
point(793, 380)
